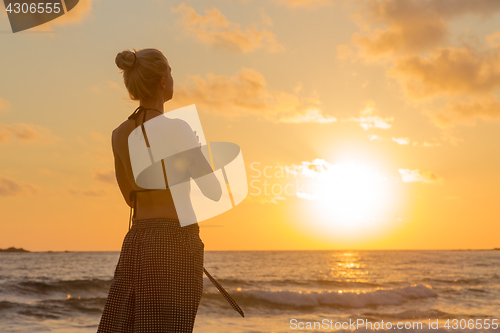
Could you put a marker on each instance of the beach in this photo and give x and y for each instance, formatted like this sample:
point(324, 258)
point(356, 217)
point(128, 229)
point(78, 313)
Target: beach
point(279, 291)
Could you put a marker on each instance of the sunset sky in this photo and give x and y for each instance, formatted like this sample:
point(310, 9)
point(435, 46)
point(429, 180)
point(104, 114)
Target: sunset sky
point(380, 119)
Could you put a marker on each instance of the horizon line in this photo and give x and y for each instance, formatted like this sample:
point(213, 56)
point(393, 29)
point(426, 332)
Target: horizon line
point(298, 250)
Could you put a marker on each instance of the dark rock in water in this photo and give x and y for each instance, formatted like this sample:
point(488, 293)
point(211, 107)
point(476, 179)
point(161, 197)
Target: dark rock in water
point(13, 249)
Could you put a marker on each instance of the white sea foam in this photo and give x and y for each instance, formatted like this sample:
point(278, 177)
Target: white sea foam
point(393, 296)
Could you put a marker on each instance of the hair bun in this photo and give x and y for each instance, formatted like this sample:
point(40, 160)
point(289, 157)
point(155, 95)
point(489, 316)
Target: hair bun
point(125, 60)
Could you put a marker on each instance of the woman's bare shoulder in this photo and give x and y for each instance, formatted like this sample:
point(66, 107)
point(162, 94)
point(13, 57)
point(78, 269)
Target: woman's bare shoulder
point(119, 136)
point(123, 130)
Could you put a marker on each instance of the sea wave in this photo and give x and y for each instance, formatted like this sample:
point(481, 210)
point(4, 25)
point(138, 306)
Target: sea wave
point(252, 293)
point(394, 296)
point(99, 286)
point(55, 308)
point(239, 283)
point(410, 314)
point(34, 288)
point(473, 281)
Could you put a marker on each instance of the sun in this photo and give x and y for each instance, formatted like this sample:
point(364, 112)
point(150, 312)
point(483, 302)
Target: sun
point(347, 198)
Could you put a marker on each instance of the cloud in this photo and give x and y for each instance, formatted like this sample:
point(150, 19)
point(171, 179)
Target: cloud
point(10, 187)
point(344, 52)
point(401, 141)
point(369, 120)
point(96, 89)
point(115, 86)
point(411, 36)
point(466, 111)
point(75, 16)
point(107, 86)
point(26, 133)
point(307, 196)
point(431, 144)
point(311, 116)
point(411, 176)
point(105, 176)
point(214, 29)
point(273, 200)
point(89, 193)
point(266, 19)
point(404, 141)
point(467, 78)
point(412, 26)
point(4, 104)
point(246, 93)
point(494, 39)
point(93, 193)
point(449, 70)
point(400, 34)
point(99, 137)
point(95, 151)
point(305, 3)
point(309, 169)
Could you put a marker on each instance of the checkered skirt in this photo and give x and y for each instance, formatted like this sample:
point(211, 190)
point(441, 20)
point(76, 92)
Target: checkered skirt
point(158, 281)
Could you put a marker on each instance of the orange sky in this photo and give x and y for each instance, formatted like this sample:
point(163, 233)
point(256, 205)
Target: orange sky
point(385, 114)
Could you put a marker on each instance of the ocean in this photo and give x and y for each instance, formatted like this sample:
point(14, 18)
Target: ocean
point(279, 291)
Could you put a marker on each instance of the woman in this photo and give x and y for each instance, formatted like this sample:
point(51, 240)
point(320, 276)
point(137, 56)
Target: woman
point(158, 281)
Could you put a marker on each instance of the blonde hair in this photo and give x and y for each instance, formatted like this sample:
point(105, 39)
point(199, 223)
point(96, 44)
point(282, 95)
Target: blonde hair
point(142, 70)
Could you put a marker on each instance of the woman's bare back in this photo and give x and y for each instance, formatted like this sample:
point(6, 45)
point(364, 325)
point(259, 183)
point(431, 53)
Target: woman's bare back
point(150, 204)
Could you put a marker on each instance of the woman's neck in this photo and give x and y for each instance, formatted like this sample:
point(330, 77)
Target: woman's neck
point(156, 105)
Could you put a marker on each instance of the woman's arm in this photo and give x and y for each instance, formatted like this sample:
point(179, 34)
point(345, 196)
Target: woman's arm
point(202, 173)
point(198, 166)
point(120, 173)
